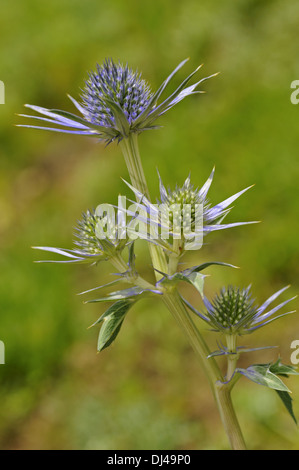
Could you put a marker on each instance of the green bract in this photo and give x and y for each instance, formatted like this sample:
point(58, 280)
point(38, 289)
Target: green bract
point(92, 245)
point(233, 311)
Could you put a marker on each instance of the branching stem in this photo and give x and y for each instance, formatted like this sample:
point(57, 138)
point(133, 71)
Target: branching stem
point(221, 391)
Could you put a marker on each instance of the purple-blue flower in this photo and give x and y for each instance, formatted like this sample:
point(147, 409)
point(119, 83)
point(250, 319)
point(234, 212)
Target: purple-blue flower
point(115, 102)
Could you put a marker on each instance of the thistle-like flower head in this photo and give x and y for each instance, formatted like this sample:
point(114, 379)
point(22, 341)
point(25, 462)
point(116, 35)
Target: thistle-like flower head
point(180, 197)
point(117, 84)
point(115, 102)
point(188, 205)
point(92, 245)
point(234, 312)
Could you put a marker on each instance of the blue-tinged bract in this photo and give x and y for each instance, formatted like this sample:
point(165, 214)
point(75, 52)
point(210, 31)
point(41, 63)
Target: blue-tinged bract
point(116, 102)
point(234, 311)
point(186, 195)
point(92, 245)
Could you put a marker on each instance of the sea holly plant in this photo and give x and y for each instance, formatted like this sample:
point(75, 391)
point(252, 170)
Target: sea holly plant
point(116, 105)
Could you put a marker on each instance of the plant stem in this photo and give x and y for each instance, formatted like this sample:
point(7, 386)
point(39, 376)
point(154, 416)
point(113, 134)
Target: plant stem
point(228, 416)
point(174, 303)
point(232, 357)
point(130, 149)
point(223, 397)
point(180, 313)
point(119, 263)
point(174, 259)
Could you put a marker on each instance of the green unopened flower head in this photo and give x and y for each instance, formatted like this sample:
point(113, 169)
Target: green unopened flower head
point(91, 237)
point(183, 214)
point(234, 311)
point(93, 245)
point(232, 308)
point(186, 196)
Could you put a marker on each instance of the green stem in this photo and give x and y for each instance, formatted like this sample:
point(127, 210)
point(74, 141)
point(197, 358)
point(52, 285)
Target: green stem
point(174, 303)
point(223, 397)
point(228, 416)
point(232, 357)
point(180, 313)
point(174, 258)
point(130, 150)
point(119, 263)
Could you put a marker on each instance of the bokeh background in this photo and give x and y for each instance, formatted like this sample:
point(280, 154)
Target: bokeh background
point(146, 391)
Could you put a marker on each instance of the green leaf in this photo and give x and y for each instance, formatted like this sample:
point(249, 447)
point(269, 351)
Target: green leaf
point(266, 374)
point(261, 374)
point(192, 275)
point(282, 369)
point(195, 279)
point(287, 401)
point(203, 266)
point(112, 322)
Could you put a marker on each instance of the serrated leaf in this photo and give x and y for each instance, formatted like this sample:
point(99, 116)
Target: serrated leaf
point(260, 374)
point(112, 322)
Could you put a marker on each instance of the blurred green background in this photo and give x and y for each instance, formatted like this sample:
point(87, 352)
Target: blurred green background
point(146, 391)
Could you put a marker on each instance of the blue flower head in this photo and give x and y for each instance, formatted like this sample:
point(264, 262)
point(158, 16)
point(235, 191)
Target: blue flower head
point(115, 102)
point(117, 84)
